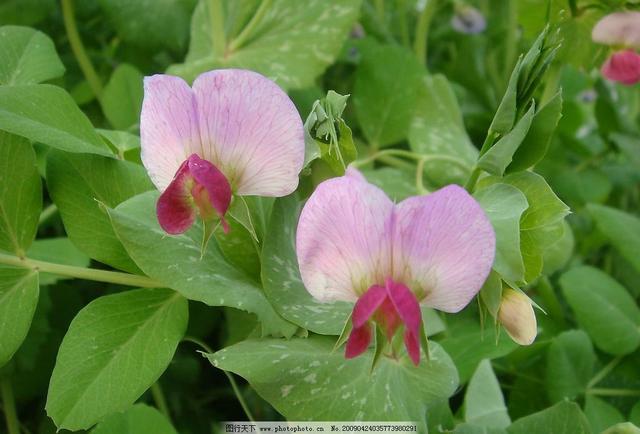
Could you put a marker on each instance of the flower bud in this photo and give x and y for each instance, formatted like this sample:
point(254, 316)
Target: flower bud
point(517, 316)
point(469, 20)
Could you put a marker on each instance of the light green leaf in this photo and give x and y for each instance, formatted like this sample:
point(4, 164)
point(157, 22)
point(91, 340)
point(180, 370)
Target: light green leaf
point(47, 114)
point(500, 155)
point(58, 251)
point(563, 418)
point(384, 93)
point(20, 194)
point(28, 56)
point(398, 184)
point(603, 308)
point(570, 364)
point(437, 129)
point(558, 254)
point(116, 347)
point(121, 140)
point(491, 293)
point(78, 185)
point(601, 414)
point(505, 116)
point(281, 276)
point(136, 420)
point(177, 262)
point(122, 96)
point(18, 300)
point(622, 428)
point(290, 41)
point(322, 385)
point(622, 230)
point(504, 205)
point(483, 402)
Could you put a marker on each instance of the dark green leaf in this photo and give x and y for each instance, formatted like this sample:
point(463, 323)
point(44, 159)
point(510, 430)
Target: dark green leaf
point(122, 96)
point(570, 364)
point(58, 251)
point(601, 414)
point(483, 402)
point(622, 230)
point(563, 418)
point(137, 420)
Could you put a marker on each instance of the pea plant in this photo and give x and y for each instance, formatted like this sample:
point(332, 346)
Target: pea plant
point(418, 211)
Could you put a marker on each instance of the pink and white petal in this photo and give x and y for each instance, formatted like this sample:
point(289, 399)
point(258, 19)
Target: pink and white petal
point(623, 66)
point(619, 28)
point(343, 239)
point(444, 246)
point(168, 127)
point(251, 130)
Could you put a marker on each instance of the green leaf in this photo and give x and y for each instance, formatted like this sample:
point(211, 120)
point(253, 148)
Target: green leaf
point(491, 293)
point(558, 254)
point(47, 114)
point(177, 262)
point(384, 93)
point(483, 402)
point(292, 42)
point(78, 185)
point(500, 155)
point(570, 364)
point(622, 428)
point(601, 414)
point(437, 129)
point(116, 347)
point(20, 194)
point(28, 56)
point(18, 300)
point(603, 308)
point(58, 251)
point(634, 414)
point(136, 420)
point(621, 229)
point(505, 116)
point(504, 205)
point(122, 96)
point(536, 143)
point(397, 184)
point(281, 276)
point(121, 140)
point(322, 385)
point(563, 418)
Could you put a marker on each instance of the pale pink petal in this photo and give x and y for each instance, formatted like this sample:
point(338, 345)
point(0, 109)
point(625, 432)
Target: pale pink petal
point(251, 130)
point(358, 342)
point(623, 66)
point(619, 28)
point(343, 242)
point(168, 127)
point(367, 305)
point(443, 248)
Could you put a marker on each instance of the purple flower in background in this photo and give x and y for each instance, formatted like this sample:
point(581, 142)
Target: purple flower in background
point(354, 244)
point(233, 132)
point(469, 20)
point(620, 30)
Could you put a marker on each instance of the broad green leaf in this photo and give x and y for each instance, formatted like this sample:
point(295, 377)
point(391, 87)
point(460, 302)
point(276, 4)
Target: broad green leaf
point(563, 418)
point(604, 308)
point(622, 428)
point(622, 230)
point(136, 420)
point(177, 261)
point(570, 364)
point(601, 414)
point(557, 255)
point(290, 41)
point(384, 95)
point(321, 384)
point(239, 248)
point(398, 184)
point(116, 347)
point(467, 428)
point(579, 188)
point(500, 155)
point(437, 129)
point(121, 140)
point(504, 205)
point(78, 185)
point(122, 96)
point(58, 251)
point(20, 194)
point(483, 402)
point(505, 116)
point(18, 300)
point(281, 276)
point(47, 114)
point(28, 56)
point(536, 143)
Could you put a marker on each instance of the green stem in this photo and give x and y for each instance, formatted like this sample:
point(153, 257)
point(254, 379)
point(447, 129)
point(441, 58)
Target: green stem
point(78, 49)
point(470, 185)
point(604, 372)
point(419, 177)
point(234, 385)
point(47, 213)
point(613, 392)
point(422, 31)
point(9, 406)
point(81, 272)
point(216, 18)
point(379, 5)
point(250, 27)
point(413, 156)
point(159, 399)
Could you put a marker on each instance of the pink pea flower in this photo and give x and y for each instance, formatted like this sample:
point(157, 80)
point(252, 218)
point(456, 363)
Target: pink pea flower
point(233, 132)
point(354, 244)
point(620, 30)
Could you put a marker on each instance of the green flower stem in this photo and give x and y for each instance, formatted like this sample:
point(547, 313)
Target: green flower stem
point(470, 185)
point(9, 407)
point(81, 272)
point(613, 392)
point(420, 188)
point(216, 18)
point(379, 6)
point(47, 213)
point(234, 385)
point(411, 155)
point(78, 49)
point(159, 399)
point(603, 372)
point(422, 31)
point(250, 27)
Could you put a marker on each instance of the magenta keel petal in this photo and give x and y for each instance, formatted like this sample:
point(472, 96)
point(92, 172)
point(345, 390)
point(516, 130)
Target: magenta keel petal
point(367, 305)
point(358, 341)
point(623, 66)
point(409, 311)
point(175, 210)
